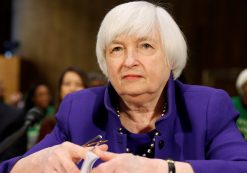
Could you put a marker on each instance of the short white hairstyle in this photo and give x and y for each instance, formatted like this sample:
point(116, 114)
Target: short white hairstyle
point(241, 81)
point(141, 18)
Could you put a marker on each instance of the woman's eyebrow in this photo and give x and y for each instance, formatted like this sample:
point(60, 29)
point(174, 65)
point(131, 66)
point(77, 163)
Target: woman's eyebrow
point(146, 39)
point(140, 39)
point(115, 42)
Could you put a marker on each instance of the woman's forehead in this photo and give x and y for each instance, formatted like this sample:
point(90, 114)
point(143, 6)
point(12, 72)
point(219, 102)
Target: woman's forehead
point(148, 36)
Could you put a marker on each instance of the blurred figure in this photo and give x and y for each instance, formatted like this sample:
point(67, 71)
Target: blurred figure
point(72, 79)
point(16, 100)
point(96, 79)
point(240, 102)
point(11, 120)
point(38, 96)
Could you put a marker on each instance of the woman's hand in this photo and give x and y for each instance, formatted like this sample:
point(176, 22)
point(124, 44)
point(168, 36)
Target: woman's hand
point(57, 159)
point(122, 163)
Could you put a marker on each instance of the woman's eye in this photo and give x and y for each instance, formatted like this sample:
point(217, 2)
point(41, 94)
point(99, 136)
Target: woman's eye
point(65, 83)
point(116, 49)
point(146, 46)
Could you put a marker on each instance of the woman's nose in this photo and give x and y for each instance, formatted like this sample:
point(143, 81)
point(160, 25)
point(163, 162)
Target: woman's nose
point(131, 58)
point(72, 88)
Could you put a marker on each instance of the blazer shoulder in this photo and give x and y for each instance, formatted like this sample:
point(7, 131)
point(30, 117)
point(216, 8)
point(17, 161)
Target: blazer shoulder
point(187, 89)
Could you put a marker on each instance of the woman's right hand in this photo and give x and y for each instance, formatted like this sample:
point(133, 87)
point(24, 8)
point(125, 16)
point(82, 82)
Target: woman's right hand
point(57, 159)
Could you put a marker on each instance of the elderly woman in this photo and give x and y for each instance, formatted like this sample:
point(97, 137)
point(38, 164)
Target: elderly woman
point(146, 115)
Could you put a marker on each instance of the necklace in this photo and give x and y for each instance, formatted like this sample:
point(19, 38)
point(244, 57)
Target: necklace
point(150, 150)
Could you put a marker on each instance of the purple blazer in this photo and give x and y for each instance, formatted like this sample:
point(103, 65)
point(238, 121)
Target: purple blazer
point(199, 127)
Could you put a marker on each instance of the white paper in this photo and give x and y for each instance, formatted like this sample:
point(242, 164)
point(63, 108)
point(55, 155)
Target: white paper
point(88, 162)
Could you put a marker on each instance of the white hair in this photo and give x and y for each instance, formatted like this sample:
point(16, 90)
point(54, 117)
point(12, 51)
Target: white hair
point(142, 18)
point(241, 81)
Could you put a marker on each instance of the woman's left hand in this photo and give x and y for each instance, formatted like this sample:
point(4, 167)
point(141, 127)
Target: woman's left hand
point(122, 163)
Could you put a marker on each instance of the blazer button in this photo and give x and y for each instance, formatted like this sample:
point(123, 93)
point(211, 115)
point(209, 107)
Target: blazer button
point(161, 144)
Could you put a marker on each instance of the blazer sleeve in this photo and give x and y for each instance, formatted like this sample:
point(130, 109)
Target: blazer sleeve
point(226, 150)
point(57, 136)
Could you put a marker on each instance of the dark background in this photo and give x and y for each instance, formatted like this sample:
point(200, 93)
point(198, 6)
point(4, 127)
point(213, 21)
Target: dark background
point(58, 33)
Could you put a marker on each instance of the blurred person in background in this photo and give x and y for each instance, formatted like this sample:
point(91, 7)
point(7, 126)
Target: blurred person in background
point(16, 100)
point(12, 120)
point(240, 101)
point(38, 96)
point(71, 79)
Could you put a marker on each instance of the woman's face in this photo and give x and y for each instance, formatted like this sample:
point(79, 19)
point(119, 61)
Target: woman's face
point(137, 65)
point(42, 97)
point(71, 83)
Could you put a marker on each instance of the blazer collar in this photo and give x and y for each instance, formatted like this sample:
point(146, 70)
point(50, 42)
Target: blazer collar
point(165, 125)
point(111, 101)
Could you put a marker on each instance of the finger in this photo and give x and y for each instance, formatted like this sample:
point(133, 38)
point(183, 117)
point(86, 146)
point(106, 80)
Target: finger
point(51, 162)
point(56, 164)
point(68, 165)
point(48, 169)
point(98, 149)
point(76, 152)
point(106, 155)
point(113, 161)
point(103, 147)
point(64, 156)
point(53, 171)
point(105, 167)
point(67, 154)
